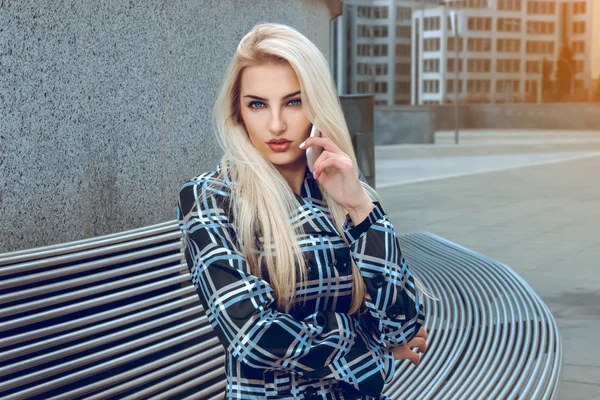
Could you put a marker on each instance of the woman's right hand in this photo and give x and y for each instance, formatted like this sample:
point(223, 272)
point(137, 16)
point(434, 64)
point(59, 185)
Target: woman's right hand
point(406, 352)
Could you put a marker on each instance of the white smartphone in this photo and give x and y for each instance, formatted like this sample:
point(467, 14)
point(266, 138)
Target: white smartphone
point(313, 152)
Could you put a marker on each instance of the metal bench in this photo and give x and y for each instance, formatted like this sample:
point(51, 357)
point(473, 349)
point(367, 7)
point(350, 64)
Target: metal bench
point(117, 317)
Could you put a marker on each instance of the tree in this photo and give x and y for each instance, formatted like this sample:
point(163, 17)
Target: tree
point(565, 68)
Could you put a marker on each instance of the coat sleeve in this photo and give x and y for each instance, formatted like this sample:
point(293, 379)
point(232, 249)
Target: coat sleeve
point(240, 307)
point(394, 308)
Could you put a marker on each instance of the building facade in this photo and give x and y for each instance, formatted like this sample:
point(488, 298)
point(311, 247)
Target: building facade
point(495, 50)
point(372, 43)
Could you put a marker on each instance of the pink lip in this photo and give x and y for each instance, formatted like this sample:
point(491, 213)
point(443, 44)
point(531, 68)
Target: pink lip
point(279, 147)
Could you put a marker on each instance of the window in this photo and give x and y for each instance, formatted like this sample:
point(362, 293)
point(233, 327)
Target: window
point(507, 85)
point(380, 12)
point(380, 87)
point(450, 86)
point(403, 32)
point(364, 69)
point(579, 46)
point(579, 27)
point(531, 87)
point(533, 67)
point(509, 5)
point(451, 43)
point(431, 86)
point(540, 27)
point(508, 45)
point(363, 12)
point(540, 47)
point(364, 50)
point(402, 87)
point(579, 7)
point(508, 65)
point(380, 31)
point(509, 24)
point(431, 44)
point(431, 65)
point(478, 86)
point(431, 24)
point(579, 66)
point(450, 62)
point(403, 14)
point(380, 50)
point(478, 65)
point(479, 44)
point(381, 69)
point(479, 24)
point(402, 69)
point(364, 31)
point(403, 50)
point(541, 7)
point(363, 87)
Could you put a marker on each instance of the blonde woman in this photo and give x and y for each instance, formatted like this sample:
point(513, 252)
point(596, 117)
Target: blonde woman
point(301, 275)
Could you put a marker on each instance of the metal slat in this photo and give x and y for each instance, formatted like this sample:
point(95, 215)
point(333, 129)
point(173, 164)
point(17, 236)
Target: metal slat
point(86, 292)
point(90, 278)
point(145, 348)
point(30, 266)
point(191, 384)
point(87, 331)
point(186, 293)
point(68, 309)
point(214, 365)
point(515, 318)
point(141, 375)
point(21, 256)
point(95, 343)
point(484, 313)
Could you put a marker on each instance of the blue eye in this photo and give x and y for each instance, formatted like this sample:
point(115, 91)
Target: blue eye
point(298, 102)
point(251, 105)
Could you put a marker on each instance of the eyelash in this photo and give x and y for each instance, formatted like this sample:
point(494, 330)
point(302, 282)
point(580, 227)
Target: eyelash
point(260, 102)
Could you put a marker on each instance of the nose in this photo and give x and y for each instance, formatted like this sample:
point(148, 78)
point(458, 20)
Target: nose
point(277, 125)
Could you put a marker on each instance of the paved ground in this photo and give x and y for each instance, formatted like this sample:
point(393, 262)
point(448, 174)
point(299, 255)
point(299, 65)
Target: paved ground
point(536, 209)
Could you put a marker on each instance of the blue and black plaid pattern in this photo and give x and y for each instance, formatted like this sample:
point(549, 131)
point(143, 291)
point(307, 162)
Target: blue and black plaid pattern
point(317, 350)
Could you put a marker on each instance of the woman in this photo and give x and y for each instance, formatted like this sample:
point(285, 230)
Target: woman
point(301, 275)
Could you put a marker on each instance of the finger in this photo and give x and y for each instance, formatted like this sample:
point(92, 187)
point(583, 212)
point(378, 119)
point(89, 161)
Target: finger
point(405, 353)
point(324, 142)
point(422, 333)
point(418, 342)
point(335, 162)
point(324, 156)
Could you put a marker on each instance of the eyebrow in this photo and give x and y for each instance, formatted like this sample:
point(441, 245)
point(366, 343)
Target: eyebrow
point(263, 99)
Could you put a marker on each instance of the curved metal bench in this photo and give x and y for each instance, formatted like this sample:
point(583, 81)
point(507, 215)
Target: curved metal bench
point(117, 317)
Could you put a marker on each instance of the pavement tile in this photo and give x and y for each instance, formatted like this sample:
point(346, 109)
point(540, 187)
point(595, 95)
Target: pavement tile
point(542, 221)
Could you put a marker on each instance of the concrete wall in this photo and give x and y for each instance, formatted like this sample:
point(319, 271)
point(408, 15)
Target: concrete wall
point(105, 106)
point(566, 116)
point(417, 124)
point(404, 124)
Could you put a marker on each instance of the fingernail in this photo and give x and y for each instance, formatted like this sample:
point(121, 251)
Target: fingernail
point(316, 170)
point(302, 144)
point(314, 174)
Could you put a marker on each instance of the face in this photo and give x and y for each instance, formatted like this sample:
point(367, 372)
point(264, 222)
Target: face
point(271, 108)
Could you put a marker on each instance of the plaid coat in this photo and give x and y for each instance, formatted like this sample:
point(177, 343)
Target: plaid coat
point(317, 350)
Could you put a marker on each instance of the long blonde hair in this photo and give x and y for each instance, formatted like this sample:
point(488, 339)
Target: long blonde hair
point(262, 201)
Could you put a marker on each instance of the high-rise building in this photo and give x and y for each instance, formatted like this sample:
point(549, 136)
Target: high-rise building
point(372, 48)
point(494, 50)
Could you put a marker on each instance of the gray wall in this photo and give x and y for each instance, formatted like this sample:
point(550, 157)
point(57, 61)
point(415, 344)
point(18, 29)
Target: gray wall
point(417, 124)
point(105, 106)
point(404, 124)
point(567, 116)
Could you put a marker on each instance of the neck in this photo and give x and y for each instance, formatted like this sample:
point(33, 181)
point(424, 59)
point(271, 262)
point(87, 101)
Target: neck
point(294, 174)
